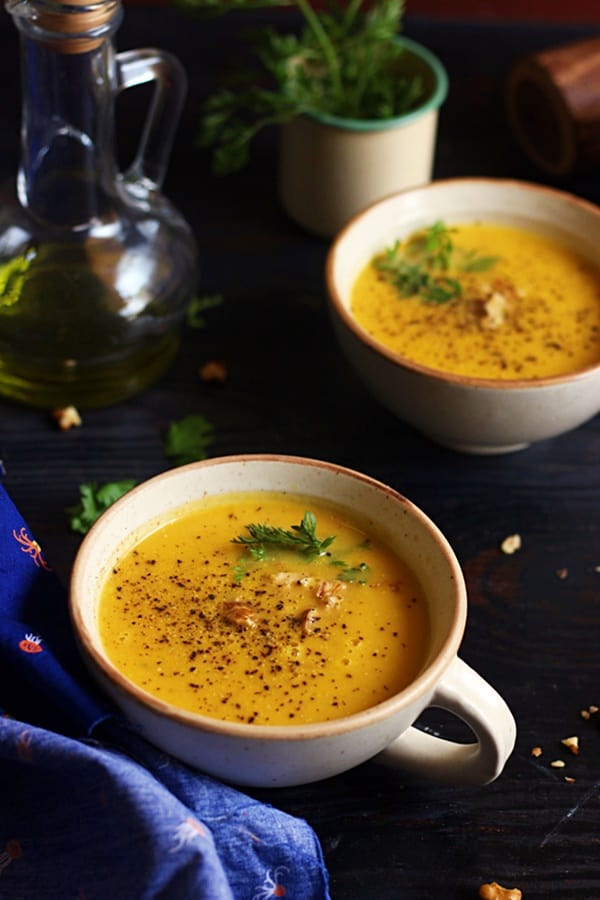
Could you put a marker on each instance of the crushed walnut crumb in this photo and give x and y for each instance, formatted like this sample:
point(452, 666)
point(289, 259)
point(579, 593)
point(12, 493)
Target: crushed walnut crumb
point(496, 309)
point(213, 371)
point(330, 592)
point(536, 751)
point(239, 614)
point(309, 621)
point(572, 743)
point(495, 891)
point(562, 573)
point(492, 304)
point(558, 763)
point(511, 544)
point(66, 417)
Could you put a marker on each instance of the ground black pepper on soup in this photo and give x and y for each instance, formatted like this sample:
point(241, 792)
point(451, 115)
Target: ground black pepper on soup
point(265, 608)
point(483, 300)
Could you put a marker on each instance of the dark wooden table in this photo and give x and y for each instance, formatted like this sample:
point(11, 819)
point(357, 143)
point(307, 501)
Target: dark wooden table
point(533, 634)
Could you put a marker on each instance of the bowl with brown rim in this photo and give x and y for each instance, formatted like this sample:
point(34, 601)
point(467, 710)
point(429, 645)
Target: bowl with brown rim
point(465, 412)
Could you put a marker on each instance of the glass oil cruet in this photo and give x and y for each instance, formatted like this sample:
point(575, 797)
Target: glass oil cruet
point(96, 266)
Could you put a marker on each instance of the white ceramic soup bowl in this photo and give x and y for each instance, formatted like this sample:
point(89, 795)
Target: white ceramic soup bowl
point(287, 755)
point(470, 414)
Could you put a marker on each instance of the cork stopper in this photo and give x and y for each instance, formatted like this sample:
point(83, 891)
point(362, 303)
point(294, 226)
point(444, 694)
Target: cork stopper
point(553, 105)
point(76, 26)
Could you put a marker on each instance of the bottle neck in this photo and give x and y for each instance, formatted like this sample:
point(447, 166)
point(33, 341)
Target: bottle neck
point(67, 165)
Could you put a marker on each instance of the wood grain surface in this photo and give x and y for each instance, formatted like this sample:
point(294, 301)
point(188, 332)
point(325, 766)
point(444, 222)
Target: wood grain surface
point(532, 633)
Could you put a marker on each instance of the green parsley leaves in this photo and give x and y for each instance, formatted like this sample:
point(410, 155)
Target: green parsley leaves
point(198, 305)
point(345, 61)
point(93, 501)
point(302, 538)
point(419, 266)
point(188, 439)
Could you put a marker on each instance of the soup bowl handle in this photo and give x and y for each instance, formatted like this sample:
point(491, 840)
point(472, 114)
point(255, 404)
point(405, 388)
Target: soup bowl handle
point(463, 692)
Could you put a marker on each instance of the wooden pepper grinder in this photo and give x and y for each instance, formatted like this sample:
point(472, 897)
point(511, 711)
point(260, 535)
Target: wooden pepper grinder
point(553, 105)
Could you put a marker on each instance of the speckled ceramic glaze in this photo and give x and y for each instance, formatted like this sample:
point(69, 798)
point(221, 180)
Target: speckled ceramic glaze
point(469, 414)
point(287, 755)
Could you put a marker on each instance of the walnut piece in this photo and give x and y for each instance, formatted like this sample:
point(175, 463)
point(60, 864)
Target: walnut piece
point(511, 544)
point(496, 309)
point(330, 592)
point(214, 370)
point(287, 579)
point(309, 620)
point(495, 891)
point(572, 743)
point(239, 614)
point(66, 417)
point(490, 305)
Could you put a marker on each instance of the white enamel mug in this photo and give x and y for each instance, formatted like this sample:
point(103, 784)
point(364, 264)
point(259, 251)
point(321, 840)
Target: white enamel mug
point(270, 756)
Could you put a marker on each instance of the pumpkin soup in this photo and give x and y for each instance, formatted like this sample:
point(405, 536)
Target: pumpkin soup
point(266, 608)
point(483, 300)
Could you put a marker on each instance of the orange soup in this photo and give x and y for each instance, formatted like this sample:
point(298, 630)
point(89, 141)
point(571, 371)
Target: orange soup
point(265, 608)
point(483, 300)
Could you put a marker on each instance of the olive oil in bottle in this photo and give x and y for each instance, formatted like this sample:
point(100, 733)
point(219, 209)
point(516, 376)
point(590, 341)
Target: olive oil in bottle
point(96, 266)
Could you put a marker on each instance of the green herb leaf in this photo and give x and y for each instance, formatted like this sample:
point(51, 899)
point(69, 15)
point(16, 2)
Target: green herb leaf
point(353, 573)
point(301, 538)
point(416, 267)
point(345, 61)
point(198, 305)
point(94, 500)
point(441, 290)
point(188, 439)
point(239, 573)
point(475, 263)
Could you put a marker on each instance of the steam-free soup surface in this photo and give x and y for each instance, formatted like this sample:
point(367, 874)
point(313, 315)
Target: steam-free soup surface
point(528, 306)
point(264, 635)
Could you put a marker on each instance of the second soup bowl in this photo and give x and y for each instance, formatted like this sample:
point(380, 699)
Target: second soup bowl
point(277, 755)
point(467, 413)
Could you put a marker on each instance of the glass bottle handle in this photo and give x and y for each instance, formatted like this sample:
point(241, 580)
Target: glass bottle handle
point(142, 66)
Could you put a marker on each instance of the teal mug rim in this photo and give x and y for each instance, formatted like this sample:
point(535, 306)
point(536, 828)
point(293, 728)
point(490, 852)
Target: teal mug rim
point(434, 101)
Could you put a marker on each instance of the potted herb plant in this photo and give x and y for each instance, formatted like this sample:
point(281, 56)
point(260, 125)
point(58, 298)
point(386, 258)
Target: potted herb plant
point(357, 105)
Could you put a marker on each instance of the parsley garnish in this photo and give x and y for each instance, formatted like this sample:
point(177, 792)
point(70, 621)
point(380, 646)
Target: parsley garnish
point(345, 62)
point(420, 265)
point(239, 573)
point(301, 538)
point(198, 305)
point(352, 573)
point(188, 439)
point(93, 501)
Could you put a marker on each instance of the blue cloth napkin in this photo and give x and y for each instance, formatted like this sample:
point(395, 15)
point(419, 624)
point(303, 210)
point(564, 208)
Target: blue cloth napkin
point(89, 810)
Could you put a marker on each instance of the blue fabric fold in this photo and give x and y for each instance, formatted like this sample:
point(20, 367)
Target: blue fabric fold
point(89, 808)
